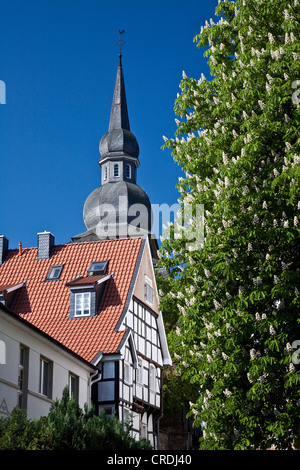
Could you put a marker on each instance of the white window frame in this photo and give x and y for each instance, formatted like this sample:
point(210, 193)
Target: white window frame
point(128, 171)
point(148, 290)
point(105, 173)
point(127, 417)
point(45, 378)
point(116, 167)
point(143, 430)
point(74, 379)
point(81, 295)
point(127, 373)
point(139, 371)
point(152, 378)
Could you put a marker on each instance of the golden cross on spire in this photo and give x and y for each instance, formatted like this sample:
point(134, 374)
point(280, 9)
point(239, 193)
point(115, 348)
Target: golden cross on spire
point(121, 42)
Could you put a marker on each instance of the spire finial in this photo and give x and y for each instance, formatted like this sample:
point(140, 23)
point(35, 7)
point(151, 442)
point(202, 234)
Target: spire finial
point(121, 41)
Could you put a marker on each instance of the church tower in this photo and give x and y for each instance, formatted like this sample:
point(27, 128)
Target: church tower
point(119, 207)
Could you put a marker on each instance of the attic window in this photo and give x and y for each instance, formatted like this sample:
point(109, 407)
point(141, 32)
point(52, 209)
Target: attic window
point(55, 272)
point(148, 290)
point(97, 268)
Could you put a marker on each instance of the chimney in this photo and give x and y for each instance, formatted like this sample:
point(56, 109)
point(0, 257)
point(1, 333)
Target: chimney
point(3, 248)
point(45, 244)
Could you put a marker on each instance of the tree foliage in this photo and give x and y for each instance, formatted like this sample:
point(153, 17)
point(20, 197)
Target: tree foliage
point(67, 427)
point(237, 298)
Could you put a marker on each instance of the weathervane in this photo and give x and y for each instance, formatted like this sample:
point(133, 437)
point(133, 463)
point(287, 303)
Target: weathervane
point(121, 42)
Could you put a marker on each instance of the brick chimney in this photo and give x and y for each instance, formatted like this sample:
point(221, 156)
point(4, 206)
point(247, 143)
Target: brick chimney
point(45, 244)
point(3, 248)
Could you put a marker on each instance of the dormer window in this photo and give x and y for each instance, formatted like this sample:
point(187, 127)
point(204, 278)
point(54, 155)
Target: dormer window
point(86, 293)
point(97, 268)
point(82, 304)
point(116, 170)
point(55, 272)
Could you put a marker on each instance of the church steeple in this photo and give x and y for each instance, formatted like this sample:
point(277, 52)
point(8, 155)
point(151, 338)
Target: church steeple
point(119, 207)
point(119, 114)
point(119, 141)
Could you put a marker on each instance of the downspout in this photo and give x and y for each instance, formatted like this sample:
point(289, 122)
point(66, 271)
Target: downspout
point(161, 414)
point(96, 375)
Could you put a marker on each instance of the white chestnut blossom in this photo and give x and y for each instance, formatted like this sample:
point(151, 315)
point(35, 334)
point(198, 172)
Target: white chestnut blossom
point(272, 330)
point(276, 279)
point(207, 273)
point(253, 354)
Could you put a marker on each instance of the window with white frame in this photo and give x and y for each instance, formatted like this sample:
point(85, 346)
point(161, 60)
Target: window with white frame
point(45, 377)
point(73, 386)
point(116, 170)
point(105, 173)
point(127, 417)
point(127, 372)
point(148, 290)
point(152, 377)
point(128, 171)
point(143, 430)
point(139, 371)
point(82, 304)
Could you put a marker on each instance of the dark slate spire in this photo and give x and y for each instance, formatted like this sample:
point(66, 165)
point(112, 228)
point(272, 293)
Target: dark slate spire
point(119, 207)
point(119, 140)
point(119, 114)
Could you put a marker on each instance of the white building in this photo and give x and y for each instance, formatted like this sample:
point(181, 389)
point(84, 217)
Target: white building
point(28, 358)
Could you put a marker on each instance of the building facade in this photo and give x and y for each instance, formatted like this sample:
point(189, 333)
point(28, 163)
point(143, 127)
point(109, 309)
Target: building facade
point(34, 368)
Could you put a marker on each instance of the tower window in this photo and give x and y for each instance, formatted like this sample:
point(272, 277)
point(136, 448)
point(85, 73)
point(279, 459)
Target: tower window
point(116, 170)
point(105, 173)
point(128, 171)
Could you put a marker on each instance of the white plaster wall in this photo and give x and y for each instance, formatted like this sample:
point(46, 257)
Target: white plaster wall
point(14, 334)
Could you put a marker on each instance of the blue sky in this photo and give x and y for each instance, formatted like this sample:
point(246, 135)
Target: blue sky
point(59, 60)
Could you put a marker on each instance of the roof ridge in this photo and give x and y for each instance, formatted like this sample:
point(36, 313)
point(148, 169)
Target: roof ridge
point(80, 243)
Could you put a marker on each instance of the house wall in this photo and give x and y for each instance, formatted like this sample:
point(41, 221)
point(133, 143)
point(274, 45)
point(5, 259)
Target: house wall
point(13, 334)
point(133, 388)
point(146, 269)
point(144, 388)
point(125, 382)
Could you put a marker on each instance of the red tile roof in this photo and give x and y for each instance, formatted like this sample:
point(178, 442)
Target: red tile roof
point(45, 304)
